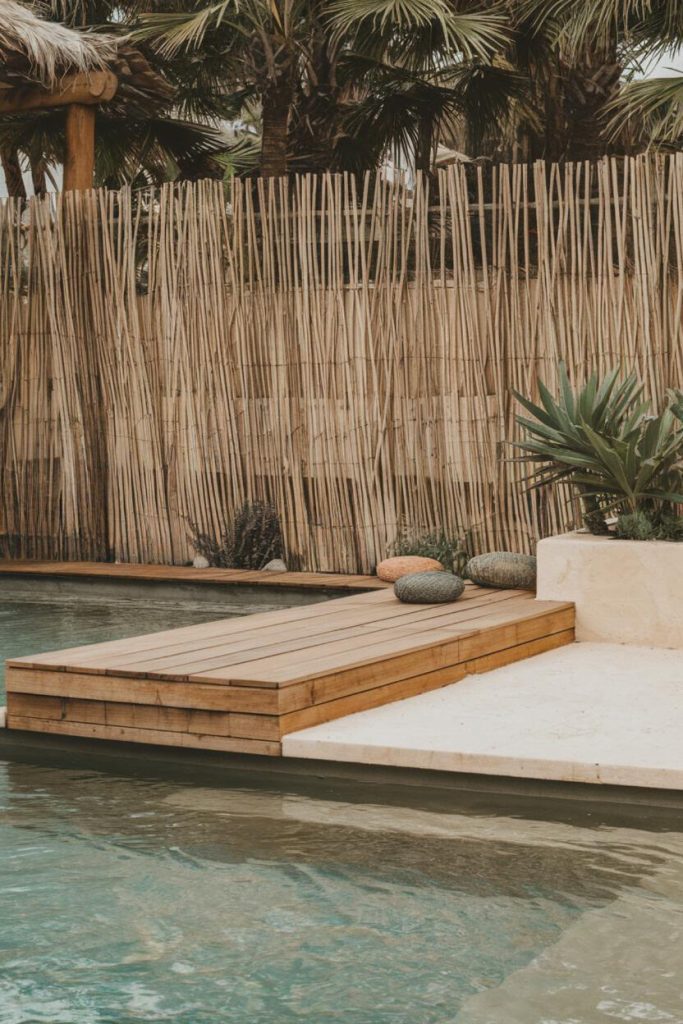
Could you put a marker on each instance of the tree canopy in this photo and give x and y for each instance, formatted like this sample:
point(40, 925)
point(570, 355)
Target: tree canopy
point(272, 86)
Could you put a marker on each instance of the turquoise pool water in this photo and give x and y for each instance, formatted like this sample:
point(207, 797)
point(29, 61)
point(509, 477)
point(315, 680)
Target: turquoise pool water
point(126, 899)
point(132, 896)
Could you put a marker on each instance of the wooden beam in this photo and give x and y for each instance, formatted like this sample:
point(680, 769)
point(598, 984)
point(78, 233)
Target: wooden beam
point(83, 89)
point(79, 158)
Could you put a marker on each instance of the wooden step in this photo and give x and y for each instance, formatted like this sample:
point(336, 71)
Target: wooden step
point(241, 684)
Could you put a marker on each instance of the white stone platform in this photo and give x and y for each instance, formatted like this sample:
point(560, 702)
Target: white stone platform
point(589, 712)
point(624, 591)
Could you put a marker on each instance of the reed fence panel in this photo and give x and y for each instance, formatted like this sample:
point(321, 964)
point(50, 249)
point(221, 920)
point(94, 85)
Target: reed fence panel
point(343, 349)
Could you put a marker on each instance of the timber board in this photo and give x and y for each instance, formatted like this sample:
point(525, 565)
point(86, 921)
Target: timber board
point(240, 685)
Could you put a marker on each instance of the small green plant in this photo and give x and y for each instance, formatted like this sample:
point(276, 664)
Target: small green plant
point(250, 541)
point(634, 526)
point(603, 439)
point(453, 552)
point(639, 526)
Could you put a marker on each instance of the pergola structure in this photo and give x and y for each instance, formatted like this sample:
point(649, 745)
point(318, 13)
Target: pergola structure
point(44, 65)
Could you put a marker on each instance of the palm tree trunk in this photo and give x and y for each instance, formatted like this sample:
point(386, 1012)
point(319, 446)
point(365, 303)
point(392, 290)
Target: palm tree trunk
point(554, 147)
point(589, 87)
point(39, 178)
point(425, 145)
point(277, 103)
point(12, 169)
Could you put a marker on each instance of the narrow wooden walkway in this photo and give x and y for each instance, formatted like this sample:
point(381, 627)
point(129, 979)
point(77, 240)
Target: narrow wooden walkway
point(188, 574)
point(241, 685)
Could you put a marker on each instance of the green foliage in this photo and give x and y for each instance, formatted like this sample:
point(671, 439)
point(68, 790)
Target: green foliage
point(627, 35)
point(604, 441)
point(340, 83)
point(250, 541)
point(635, 526)
point(453, 552)
point(640, 526)
point(653, 106)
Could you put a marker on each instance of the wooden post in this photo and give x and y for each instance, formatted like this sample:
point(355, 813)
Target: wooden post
point(79, 94)
point(79, 159)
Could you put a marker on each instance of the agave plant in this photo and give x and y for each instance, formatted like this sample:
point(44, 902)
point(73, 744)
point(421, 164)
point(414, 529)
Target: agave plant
point(604, 440)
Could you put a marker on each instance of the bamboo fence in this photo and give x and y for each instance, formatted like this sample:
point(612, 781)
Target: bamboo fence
point(343, 349)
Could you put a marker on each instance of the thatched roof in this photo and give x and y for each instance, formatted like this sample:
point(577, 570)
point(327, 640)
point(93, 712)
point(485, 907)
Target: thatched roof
point(38, 52)
point(33, 50)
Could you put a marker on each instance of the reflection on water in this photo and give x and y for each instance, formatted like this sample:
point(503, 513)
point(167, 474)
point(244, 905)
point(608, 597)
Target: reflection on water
point(133, 899)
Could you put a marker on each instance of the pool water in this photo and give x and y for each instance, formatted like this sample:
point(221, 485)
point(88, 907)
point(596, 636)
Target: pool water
point(131, 894)
point(126, 899)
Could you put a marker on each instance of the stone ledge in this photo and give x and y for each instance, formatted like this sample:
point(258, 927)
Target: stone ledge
point(625, 591)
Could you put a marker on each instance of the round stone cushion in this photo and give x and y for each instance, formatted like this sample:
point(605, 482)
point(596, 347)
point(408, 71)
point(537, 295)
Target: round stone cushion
point(428, 587)
point(392, 569)
point(505, 569)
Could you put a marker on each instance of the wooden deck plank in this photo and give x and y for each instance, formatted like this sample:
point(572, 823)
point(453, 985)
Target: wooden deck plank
point(225, 631)
point(72, 656)
point(170, 694)
point(188, 574)
point(240, 685)
point(155, 737)
point(518, 652)
point(199, 656)
point(310, 646)
point(141, 716)
point(364, 700)
point(283, 669)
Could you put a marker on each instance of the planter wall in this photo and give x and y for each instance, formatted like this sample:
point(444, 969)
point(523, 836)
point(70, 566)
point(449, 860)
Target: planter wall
point(627, 592)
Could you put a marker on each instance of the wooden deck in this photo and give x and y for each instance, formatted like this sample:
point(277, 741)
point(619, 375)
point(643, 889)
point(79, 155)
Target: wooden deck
point(241, 684)
point(188, 574)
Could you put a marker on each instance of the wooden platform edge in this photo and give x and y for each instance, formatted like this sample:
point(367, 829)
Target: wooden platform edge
point(236, 720)
point(144, 573)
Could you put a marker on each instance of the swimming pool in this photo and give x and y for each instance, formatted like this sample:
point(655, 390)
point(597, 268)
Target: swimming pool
point(225, 897)
point(147, 899)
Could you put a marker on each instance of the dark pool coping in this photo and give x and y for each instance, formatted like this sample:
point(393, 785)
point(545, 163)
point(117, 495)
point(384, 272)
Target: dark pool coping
point(604, 804)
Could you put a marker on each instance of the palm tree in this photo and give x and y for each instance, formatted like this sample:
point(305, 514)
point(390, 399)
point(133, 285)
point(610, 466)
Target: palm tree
point(412, 60)
point(314, 68)
point(599, 42)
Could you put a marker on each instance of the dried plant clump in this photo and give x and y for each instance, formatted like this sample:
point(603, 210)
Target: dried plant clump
point(250, 541)
point(451, 550)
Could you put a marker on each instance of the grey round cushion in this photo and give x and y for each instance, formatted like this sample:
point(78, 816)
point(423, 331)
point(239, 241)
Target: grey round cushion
point(505, 569)
point(428, 588)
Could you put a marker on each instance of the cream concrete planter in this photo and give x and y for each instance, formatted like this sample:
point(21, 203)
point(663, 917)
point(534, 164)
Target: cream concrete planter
point(625, 591)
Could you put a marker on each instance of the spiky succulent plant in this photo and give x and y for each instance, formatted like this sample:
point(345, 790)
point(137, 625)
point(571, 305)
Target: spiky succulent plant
point(604, 440)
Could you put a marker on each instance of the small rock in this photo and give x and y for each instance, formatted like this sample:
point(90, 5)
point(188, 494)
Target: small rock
point(275, 565)
point(391, 569)
point(505, 569)
point(435, 587)
point(199, 562)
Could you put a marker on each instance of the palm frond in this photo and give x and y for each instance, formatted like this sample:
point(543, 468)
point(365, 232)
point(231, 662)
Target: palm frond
point(654, 106)
point(473, 34)
point(650, 25)
point(241, 155)
point(174, 32)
